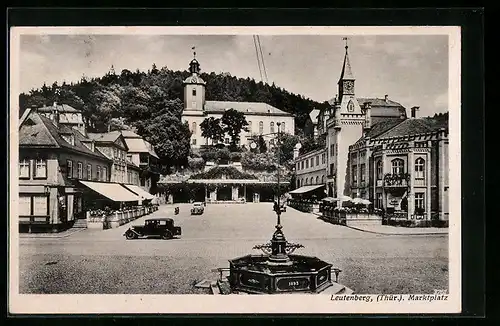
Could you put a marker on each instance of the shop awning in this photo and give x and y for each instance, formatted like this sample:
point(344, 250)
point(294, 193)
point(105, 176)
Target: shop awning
point(305, 189)
point(139, 191)
point(113, 191)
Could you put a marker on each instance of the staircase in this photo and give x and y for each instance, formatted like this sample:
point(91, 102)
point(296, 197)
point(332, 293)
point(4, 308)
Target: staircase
point(80, 223)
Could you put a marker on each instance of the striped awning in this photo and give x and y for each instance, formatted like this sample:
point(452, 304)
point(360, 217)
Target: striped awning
point(113, 191)
point(305, 189)
point(139, 191)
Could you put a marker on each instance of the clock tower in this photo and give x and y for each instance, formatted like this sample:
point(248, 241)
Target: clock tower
point(343, 131)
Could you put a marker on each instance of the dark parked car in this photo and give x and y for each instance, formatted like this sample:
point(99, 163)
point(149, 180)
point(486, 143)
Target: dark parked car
point(197, 208)
point(157, 227)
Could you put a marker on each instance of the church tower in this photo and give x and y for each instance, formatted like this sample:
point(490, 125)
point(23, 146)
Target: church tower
point(194, 103)
point(194, 88)
point(344, 130)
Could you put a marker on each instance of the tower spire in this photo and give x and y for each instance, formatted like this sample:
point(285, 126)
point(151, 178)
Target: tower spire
point(346, 73)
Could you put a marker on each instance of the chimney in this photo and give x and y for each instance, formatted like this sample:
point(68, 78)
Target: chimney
point(414, 112)
point(386, 97)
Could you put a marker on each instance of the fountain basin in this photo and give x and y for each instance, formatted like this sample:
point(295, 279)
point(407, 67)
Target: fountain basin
point(301, 274)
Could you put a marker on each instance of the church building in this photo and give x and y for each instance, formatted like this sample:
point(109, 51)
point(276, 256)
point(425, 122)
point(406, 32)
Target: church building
point(262, 118)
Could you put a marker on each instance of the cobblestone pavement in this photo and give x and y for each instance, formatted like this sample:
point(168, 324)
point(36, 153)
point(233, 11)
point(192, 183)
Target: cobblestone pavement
point(103, 261)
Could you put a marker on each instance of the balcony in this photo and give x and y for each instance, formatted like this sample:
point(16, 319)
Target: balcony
point(396, 180)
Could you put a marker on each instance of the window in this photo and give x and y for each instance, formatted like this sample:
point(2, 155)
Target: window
point(298, 166)
point(79, 170)
point(24, 169)
point(307, 164)
point(98, 171)
point(129, 177)
point(362, 168)
point(193, 141)
point(302, 165)
point(323, 158)
point(317, 179)
point(40, 205)
point(398, 166)
point(194, 128)
point(378, 201)
point(317, 160)
point(332, 169)
point(250, 126)
point(379, 170)
point(40, 168)
point(271, 127)
point(419, 168)
point(69, 169)
point(104, 173)
point(354, 174)
point(89, 172)
point(283, 126)
point(115, 152)
point(419, 200)
point(261, 127)
point(332, 150)
point(24, 205)
point(194, 92)
point(322, 179)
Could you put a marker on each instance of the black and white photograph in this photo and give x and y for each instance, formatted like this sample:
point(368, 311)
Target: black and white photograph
point(248, 169)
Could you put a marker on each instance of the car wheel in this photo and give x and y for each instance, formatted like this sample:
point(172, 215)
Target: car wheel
point(130, 235)
point(167, 235)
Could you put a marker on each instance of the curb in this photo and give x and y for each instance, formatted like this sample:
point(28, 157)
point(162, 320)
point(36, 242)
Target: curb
point(380, 233)
point(46, 236)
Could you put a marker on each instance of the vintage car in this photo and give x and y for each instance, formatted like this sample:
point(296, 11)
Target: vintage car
point(154, 227)
point(197, 209)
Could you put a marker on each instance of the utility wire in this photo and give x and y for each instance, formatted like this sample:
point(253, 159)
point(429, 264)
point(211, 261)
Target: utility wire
point(257, 54)
point(262, 58)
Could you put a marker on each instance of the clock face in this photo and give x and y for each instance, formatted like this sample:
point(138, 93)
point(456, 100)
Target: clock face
point(349, 86)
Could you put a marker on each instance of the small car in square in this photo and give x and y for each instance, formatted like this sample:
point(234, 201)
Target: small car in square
point(197, 209)
point(163, 228)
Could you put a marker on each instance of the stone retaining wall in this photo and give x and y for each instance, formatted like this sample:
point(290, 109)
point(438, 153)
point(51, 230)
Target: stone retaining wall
point(118, 218)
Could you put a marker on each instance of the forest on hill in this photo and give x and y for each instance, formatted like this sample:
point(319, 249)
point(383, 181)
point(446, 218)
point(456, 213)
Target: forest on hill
point(152, 102)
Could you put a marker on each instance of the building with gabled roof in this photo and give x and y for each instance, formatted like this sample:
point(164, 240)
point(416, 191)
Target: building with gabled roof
point(262, 118)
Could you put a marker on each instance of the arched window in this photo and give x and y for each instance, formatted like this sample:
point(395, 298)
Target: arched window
point(261, 127)
point(398, 166)
point(317, 179)
point(194, 128)
point(249, 126)
point(419, 168)
point(379, 170)
point(271, 127)
point(282, 128)
point(322, 179)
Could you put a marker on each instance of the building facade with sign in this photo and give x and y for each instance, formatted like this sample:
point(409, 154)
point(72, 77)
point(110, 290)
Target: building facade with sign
point(262, 118)
point(403, 168)
point(63, 172)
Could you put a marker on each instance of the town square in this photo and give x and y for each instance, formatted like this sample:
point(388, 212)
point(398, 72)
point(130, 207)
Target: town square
point(208, 174)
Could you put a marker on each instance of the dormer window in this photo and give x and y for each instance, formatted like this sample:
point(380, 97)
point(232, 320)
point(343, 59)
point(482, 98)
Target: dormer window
point(69, 138)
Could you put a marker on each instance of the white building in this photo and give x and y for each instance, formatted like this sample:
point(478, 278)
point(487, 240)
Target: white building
point(261, 117)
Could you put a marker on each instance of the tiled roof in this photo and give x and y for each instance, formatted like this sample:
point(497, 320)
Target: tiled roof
point(380, 127)
point(245, 107)
point(38, 130)
point(139, 145)
point(105, 136)
point(33, 132)
point(408, 127)
point(59, 108)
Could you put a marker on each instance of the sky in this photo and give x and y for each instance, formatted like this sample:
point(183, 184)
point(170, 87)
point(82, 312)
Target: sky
point(410, 69)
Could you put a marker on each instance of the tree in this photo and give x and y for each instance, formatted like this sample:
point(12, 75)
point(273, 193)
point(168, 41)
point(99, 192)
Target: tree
point(171, 139)
point(211, 129)
point(261, 144)
point(233, 123)
point(287, 146)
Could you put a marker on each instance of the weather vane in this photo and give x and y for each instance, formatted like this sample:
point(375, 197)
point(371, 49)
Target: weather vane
point(346, 39)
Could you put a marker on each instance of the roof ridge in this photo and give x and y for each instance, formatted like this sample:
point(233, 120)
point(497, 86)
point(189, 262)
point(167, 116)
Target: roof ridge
point(42, 118)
